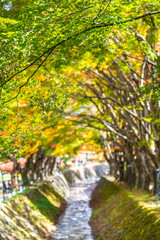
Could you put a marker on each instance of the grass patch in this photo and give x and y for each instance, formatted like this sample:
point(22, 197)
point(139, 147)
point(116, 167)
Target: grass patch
point(32, 214)
point(41, 202)
point(119, 214)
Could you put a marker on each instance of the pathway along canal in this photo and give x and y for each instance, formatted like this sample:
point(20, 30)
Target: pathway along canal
point(73, 224)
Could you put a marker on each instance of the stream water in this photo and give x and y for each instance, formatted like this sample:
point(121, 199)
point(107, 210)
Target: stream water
point(73, 224)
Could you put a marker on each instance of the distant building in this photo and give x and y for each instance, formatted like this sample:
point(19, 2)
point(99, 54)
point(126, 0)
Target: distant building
point(8, 166)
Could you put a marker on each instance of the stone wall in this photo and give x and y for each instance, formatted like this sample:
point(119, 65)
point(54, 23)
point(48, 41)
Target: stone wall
point(117, 215)
point(33, 214)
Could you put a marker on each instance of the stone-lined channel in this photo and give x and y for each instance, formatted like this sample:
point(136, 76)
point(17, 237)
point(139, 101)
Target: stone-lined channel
point(73, 224)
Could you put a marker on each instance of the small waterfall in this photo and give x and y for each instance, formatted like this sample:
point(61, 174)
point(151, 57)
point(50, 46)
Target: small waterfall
point(82, 173)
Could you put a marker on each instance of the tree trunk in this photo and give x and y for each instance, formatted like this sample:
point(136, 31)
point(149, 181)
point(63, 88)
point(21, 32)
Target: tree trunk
point(27, 169)
point(52, 165)
point(15, 171)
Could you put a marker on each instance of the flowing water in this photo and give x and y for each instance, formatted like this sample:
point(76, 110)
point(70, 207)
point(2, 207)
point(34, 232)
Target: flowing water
point(73, 224)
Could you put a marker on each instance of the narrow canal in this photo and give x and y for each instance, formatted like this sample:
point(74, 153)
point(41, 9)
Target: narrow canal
point(73, 224)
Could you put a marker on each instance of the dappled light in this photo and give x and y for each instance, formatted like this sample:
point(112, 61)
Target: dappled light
point(79, 98)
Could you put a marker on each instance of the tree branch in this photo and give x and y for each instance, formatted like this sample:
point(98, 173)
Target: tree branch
point(97, 26)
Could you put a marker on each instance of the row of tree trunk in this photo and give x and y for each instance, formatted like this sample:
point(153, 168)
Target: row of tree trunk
point(37, 168)
point(124, 108)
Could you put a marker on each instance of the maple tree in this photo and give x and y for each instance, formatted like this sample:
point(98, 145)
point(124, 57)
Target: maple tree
point(84, 61)
point(121, 97)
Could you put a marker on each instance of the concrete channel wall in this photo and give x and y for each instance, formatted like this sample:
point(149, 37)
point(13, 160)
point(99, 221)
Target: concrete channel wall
point(61, 181)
